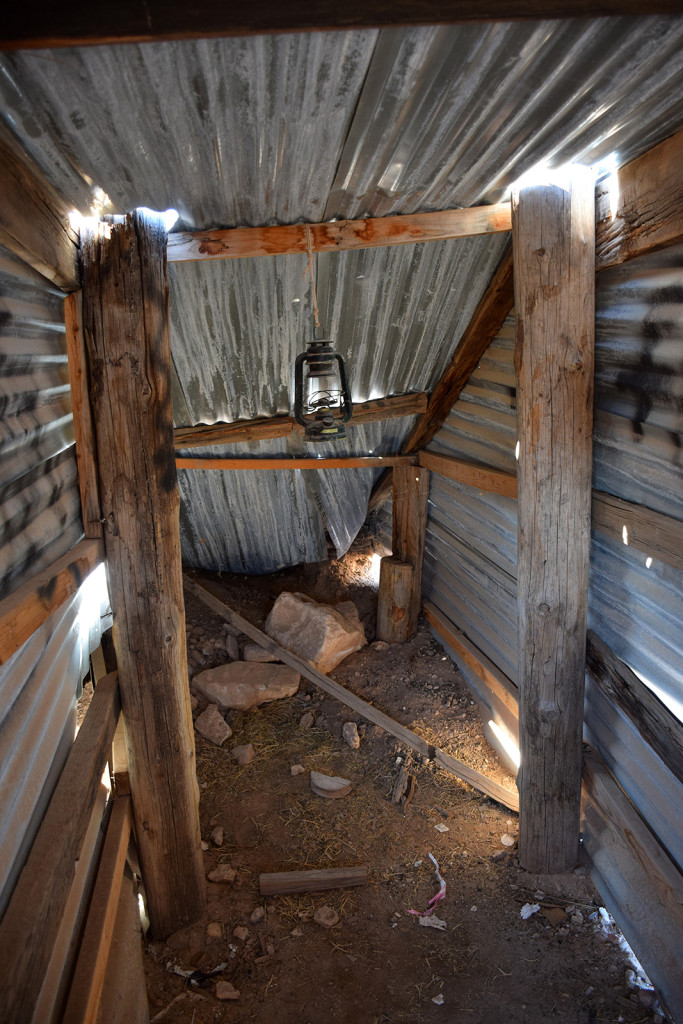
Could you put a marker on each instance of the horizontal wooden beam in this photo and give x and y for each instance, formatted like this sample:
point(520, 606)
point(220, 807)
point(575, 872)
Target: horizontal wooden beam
point(364, 462)
point(660, 729)
point(469, 473)
point(337, 236)
point(32, 919)
point(267, 428)
point(653, 533)
point(34, 220)
point(85, 991)
point(139, 21)
point(277, 883)
point(473, 778)
point(24, 611)
point(639, 209)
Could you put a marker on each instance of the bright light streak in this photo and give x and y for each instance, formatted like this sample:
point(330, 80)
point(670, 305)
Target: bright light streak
point(624, 534)
point(648, 562)
point(506, 741)
point(374, 568)
point(517, 451)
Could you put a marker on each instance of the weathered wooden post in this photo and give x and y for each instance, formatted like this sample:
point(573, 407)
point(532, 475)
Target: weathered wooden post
point(554, 265)
point(125, 327)
point(400, 584)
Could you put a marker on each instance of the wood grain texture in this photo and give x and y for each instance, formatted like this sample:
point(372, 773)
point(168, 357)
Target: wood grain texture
point(394, 600)
point(34, 220)
point(554, 257)
point(473, 778)
point(483, 479)
point(657, 535)
point(24, 611)
point(346, 462)
point(125, 322)
point(660, 729)
point(339, 236)
point(410, 497)
point(32, 919)
point(139, 21)
point(283, 426)
point(281, 882)
point(84, 994)
point(496, 681)
point(83, 427)
point(641, 209)
point(488, 318)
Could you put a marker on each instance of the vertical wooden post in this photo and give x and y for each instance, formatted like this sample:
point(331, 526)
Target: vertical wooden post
point(410, 491)
point(125, 326)
point(82, 414)
point(554, 261)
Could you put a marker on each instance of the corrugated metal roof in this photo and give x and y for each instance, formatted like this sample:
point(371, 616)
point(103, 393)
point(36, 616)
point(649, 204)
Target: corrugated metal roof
point(40, 513)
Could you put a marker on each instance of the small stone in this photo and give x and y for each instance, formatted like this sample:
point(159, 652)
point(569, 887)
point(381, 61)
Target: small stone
point(296, 933)
point(240, 933)
point(194, 703)
point(297, 769)
point(332, 787)
point(243, 754)
point(350, 734)
point(554, 915)
point(205, 846)
point(577, 918)
point(507, 840)
point(243, 685)
point(380, 645)
point(258, 915)
point(232, 647)
point(270, 949)
point(432, 922)
point(223, 873)
point(212, 726)
point(438, 999)
point(217, 835)
point(224, 990)
point(254, 652)
point(214, 930)
point(306, 721)
point(326, 917)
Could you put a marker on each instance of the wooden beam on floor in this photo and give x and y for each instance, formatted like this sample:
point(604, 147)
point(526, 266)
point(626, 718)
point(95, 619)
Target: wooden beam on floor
point(34, 220)
point(639, 209)
point(344, 462)
point(125, 324)
point(473, 778)
point(267, 428)
point(337, 236)
point(31, 604)
point(140, 21)
point(84, 994)
point(83, 427)
point(277, 883)
point(554, 255)
point(31, 922)
point(469, 473)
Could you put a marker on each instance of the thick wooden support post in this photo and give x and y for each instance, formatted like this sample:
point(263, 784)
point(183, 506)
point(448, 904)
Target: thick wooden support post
point(554, 259)
point(125, 326)
point(394, 601)
point(410, 494)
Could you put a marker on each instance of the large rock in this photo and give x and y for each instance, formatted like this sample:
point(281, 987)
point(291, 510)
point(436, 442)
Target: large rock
point(321, 634)
point(244, 685)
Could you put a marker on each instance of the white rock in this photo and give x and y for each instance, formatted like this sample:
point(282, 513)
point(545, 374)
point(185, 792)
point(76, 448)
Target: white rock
point(331, 786)
point(321, 634)
point(254, 652)
point(326, 917)
point(432, 922)
point(212, 726)
point(350, 734)
point(243, 685)
point(528, 910)
point(438, 999)
point(508, 840)
point(297, 769)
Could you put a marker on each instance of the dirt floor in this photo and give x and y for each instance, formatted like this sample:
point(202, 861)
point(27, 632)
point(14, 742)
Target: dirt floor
point(377, 964)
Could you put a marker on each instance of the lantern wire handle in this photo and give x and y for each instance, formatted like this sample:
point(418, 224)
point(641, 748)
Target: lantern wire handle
point(309, 250)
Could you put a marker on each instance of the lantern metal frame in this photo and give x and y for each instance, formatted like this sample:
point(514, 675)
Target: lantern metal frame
point(328, 419)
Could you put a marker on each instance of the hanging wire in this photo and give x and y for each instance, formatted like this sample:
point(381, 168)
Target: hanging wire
point(310, 270)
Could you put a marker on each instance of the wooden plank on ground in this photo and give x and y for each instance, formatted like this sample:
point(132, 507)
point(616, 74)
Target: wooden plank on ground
point(640, 209)
point(497, 682)
point(349, 462)
point(660, 729)
point(84, 995)
point(34, 220)
point(271, 427)
point(657, 535)
point(125, 324)
point(338, 236)
point(372, 714)
point(24, 611)
point(31, 922)
point(480, 477)
point(138, 21)
point(554, 255)
point(278, 883)
point(83, 427)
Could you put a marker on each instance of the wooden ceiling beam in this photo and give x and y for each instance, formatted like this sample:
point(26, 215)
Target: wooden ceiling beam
point(344, 462)
point(270, 427)
point(82, 23)
point(337, 236)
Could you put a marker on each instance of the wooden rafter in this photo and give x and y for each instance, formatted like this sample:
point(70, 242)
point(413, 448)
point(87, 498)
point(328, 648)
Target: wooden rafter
point(348, 462)
point(283, 426)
